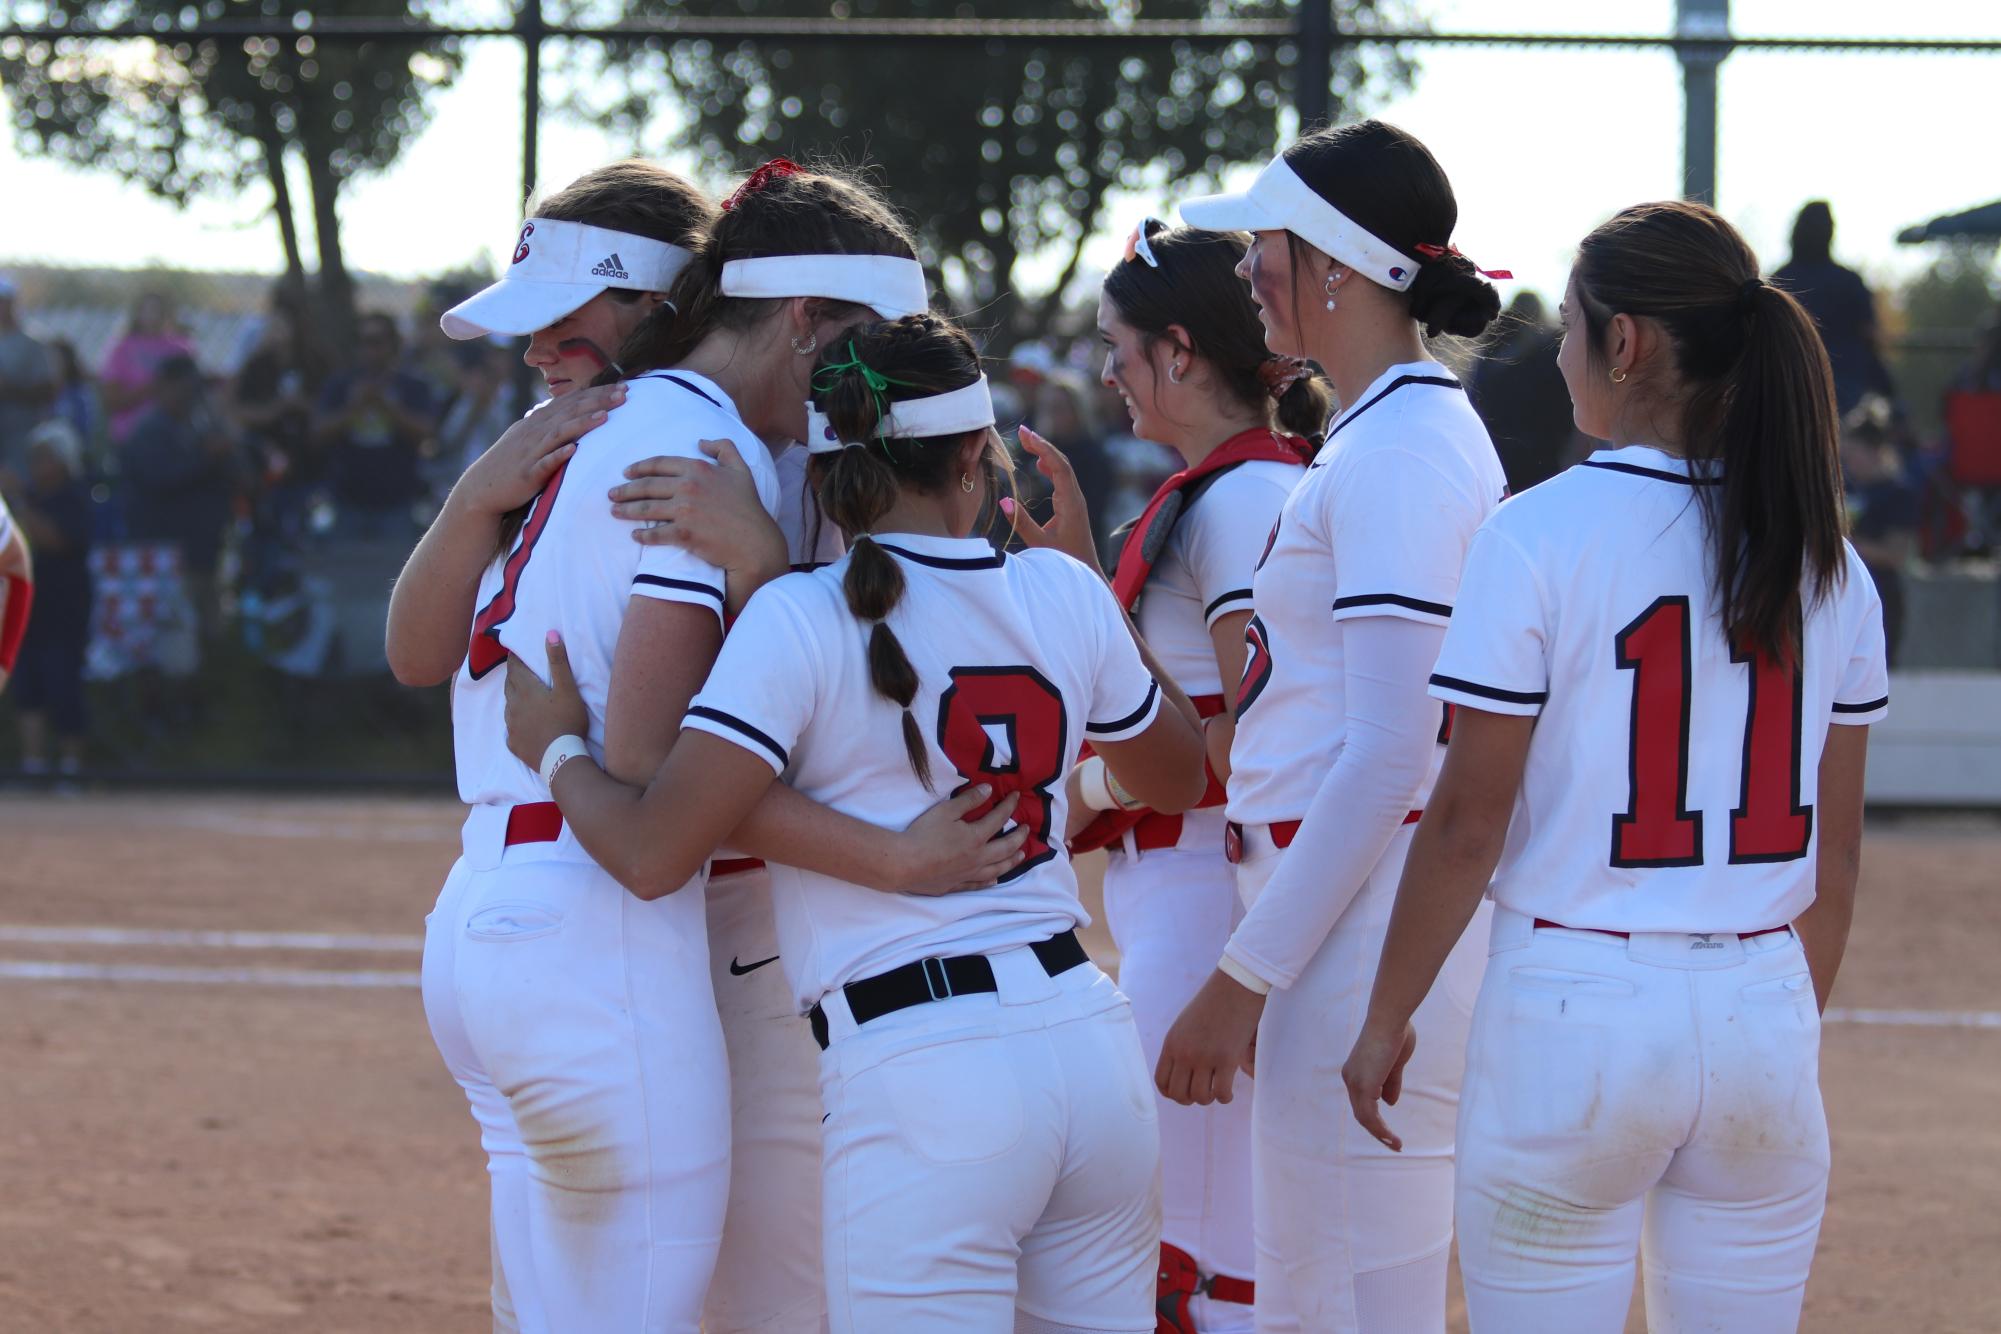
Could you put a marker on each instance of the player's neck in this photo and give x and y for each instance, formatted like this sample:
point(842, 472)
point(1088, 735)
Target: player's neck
point(1209, 423)
point(746, 370)
point(925, 516)
point(1372, 338)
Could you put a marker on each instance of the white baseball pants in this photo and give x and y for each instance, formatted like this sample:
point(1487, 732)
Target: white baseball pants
point(581, 1023)
point(1171, 912)
point(1659, 1095)
point(768, 1278)
point(1351, 1238)
point(992, 1162)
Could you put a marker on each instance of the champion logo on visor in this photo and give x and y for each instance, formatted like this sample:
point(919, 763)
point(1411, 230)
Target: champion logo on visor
point(610, 267)
point(1397, 274)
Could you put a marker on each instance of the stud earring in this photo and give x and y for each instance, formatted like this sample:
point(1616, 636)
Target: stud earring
point(1330, 289)
point(966, 482)
point(812, 342)
point(1618, 375)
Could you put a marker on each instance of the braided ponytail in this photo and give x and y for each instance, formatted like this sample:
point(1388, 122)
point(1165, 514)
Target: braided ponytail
point(859, 377)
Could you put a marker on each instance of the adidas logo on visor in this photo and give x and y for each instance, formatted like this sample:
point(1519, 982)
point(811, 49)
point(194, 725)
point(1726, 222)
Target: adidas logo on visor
point(611, 267)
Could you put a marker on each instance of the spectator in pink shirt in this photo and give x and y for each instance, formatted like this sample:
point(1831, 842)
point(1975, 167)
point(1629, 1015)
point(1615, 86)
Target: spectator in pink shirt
point(150, 338)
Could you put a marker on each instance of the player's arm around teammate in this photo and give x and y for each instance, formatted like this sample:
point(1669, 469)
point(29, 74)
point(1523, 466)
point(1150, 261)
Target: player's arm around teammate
point(1667, 661)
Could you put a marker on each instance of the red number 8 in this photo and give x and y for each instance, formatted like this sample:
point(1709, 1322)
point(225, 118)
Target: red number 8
point(1027, 712)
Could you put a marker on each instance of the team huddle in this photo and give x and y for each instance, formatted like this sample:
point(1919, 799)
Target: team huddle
point(1478, 866)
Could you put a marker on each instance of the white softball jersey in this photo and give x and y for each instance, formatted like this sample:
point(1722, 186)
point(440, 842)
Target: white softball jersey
point(575, 568)
point(1670, 785)
point(6, 524)
point(1020, 658)
point(1205, 573)
point(1379, 526)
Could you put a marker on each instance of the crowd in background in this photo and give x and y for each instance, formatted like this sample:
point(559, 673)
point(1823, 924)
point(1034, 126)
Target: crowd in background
point(174, 507)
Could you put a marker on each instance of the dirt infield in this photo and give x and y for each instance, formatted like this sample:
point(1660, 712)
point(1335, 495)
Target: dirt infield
point(220, 1109)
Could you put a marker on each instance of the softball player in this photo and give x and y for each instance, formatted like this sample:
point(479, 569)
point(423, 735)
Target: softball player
point(1650, 656)
point(1336, 743)
point(1184, 349)
point(991, 1145)
point(17, 592)
point(612, 1078)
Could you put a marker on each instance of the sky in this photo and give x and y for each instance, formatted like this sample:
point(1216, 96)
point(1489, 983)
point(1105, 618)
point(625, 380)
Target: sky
point(1541, 145)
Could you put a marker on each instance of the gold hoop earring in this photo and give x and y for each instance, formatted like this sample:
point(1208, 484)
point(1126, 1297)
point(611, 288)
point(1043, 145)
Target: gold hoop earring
point(966, 482)
point(812, 342)
point(1618, 375)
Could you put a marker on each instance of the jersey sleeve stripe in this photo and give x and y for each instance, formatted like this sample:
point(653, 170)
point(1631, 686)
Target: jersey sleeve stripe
point(1132, 719)
point(1216, 605)
point(1490, 692)
point(685, 585)
point(1393, 600)
point(1869, 707)
point(742, 728)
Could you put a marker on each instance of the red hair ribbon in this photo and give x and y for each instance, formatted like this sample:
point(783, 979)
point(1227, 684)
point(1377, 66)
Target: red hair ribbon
point(1441, 251)
point(1279, 374)
point(763, 176)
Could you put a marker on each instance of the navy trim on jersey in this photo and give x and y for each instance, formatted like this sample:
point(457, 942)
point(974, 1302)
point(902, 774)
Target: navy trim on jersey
point(1491, 692)
point(735, 723)
point(1131, 719)
point(1442, 381)
point(1231, 596)
point(992, 562)
point(1870, 707)
point(685, 585)
point(1393, 600)
point(1658, 474)
point(808, 566)
point(675, 379)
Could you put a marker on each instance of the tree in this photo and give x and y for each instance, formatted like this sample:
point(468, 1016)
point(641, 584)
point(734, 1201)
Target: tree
point(216, 116)
point(997, 150)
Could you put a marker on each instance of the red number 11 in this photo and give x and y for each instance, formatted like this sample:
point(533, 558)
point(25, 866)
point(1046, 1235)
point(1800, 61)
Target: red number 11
point(1769, 823)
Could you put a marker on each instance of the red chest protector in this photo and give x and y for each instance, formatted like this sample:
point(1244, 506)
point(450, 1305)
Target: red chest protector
point(1145, 544)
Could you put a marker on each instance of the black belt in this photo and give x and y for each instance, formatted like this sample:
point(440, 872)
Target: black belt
point(934, 979)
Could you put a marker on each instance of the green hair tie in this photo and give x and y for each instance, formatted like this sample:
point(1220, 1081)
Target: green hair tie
point(878, 384)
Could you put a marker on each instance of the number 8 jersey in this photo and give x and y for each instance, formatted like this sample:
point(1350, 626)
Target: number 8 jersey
point(1670, 784)
point(1020, 659)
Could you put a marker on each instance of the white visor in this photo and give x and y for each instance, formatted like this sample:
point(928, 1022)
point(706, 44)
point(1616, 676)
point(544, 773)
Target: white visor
point(887, 285)
point(557, 267)
point(953, 413)
point(1278, 201)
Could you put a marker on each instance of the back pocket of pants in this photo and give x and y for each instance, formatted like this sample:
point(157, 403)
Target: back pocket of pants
point(520, 920)
point(954, 1103)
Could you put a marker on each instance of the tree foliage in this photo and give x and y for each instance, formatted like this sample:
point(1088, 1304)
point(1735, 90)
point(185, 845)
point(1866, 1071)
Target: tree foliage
point(997, 150)
point(215, 116)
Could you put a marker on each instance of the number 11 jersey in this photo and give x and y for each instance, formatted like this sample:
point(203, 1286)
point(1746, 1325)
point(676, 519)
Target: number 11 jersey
point(1020, 659)
point(1671, 780)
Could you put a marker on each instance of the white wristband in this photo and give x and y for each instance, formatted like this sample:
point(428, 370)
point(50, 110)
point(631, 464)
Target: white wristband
point(1242, 976)
point(562, 750)
point(1094, 784)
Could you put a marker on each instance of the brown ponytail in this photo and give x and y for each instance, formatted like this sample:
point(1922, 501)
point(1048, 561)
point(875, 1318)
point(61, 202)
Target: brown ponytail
point(1757, 398)
point(914, 357)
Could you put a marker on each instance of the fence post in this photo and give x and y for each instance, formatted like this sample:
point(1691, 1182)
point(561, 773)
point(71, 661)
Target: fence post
point(1316, 61)
point(532, 30)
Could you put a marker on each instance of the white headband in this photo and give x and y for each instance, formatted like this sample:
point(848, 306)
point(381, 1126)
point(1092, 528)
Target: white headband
point(557, 267)
point(1279, 201)
point(887, 285)
point(951, 413)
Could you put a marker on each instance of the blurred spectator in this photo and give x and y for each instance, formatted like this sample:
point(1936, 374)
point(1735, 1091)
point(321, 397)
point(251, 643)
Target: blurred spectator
point(371, 425)
point(132, 366)
point(52, 505)
point(1136, 467)
point(1840, 304)
point(1882, 508)
point(480, 410)
point(179, 472)
point(1982, 372)
point(270, 401)
point(1518, 391)
point(27, 382)
point(77, 402)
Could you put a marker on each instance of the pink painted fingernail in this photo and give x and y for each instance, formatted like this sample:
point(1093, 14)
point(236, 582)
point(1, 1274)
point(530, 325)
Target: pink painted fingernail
point(1007, 507)
point(554, 639)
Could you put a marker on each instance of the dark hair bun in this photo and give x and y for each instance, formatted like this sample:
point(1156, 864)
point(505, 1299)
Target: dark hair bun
point(1449, 296)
